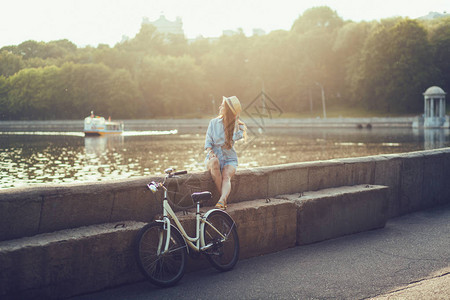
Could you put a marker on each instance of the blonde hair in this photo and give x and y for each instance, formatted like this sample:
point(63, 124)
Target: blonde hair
point(231, 120)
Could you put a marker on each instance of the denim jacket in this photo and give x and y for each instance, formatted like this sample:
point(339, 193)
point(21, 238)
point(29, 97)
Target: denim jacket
point(215, 135)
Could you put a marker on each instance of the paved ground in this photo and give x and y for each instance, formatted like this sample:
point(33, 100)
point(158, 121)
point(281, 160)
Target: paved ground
point(408, 259)
point(437, 287)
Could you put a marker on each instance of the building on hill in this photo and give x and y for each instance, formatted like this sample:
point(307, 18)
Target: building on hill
point(165, 26)
point(258, 32)
point(434, 15)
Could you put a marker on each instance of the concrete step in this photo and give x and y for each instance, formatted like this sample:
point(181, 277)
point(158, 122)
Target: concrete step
point(68, 262)
point(86, 259)
point(264, 226)
point(75, 261)
point(335, 212)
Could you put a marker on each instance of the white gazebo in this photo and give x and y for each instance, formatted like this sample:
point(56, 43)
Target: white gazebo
point(434, 108)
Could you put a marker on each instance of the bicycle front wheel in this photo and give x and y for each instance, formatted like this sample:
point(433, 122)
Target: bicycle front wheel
point(220, 232)
point(161, 268)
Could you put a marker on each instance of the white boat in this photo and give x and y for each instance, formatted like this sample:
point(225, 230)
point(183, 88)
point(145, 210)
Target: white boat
point(96, 125)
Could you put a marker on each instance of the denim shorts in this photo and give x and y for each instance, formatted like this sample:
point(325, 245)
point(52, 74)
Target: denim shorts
point(226, 157)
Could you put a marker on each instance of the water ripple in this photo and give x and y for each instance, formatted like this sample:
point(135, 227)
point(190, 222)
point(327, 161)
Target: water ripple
point(29, 158)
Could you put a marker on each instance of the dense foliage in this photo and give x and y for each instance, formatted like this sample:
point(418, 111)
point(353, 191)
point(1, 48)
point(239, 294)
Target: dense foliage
point(383, 66)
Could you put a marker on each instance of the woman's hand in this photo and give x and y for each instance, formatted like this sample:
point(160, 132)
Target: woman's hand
point(211, 154)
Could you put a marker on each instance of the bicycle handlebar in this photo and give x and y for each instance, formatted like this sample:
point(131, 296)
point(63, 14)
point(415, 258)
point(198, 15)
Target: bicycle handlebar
point(180, 173)
point(153, 186)
point(156, 186)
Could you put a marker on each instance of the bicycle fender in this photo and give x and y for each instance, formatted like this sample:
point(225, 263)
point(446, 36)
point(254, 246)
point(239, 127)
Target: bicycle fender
point(209, 212)
point(219, 210)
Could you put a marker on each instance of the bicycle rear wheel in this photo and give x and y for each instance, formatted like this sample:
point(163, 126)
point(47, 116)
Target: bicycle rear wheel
point(224, 254)
point(161, 269)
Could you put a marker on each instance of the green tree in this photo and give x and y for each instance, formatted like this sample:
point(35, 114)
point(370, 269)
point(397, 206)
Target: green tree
point(270, 66)
point(199, 48)
point(58, 49)
point(70, 92)
point(316, 62)
point(33, 93)
point(226, 67)
point(147, 41)
point(124, 99)
point(171, 86)
point(175, 45)
point(383, 65)
point(348, 46)
point(318, 19)
point(48, 92)
point(30, 49)
point(440, 41)
point(4, 105)
point(87, 88)
point(21, 98)
point(396, 68)
point(10, 63)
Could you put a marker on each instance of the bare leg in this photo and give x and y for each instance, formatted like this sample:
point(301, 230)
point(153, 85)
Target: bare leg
point(213, 166)
point(227, 173)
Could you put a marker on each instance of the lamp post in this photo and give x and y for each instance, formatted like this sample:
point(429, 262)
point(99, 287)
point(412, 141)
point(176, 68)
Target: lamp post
point(323, 100)
point(263, 94)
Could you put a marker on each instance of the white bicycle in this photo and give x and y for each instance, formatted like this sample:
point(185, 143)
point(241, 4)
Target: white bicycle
point(162, 247)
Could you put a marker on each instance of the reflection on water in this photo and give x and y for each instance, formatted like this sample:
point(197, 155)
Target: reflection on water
point(57, 133)
point(151, 132)
point(41, 157)
point(434, 138)
point(99, 145)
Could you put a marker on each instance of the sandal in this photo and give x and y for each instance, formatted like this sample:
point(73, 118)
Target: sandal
point(221, 205)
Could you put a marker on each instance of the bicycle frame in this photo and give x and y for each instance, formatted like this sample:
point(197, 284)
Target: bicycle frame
point(196, 243)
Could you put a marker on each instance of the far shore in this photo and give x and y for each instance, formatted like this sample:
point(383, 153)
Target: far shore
point(251, 122)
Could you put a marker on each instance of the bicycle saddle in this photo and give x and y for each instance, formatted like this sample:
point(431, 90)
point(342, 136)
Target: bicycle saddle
point(197, 197)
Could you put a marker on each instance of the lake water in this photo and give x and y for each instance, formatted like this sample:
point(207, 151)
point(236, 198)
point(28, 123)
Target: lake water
point(36, 157)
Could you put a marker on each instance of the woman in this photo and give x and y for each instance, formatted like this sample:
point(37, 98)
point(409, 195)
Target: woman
point(221, 159)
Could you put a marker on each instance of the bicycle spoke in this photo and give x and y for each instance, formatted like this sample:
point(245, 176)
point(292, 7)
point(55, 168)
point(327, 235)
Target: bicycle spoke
point(229, 231)
point(176, 249)
point(161, 268)
point(221, 238)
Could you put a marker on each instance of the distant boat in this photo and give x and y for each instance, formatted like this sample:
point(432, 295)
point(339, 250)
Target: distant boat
point(96, 125)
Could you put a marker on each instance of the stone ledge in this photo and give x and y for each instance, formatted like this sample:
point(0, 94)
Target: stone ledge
point(86, 259)
point(416, 180)
point(334, 212)
point(263, 227)
point(68, 262)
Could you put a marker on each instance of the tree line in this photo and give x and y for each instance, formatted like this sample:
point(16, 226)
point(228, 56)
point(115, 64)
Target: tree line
point(382, 66)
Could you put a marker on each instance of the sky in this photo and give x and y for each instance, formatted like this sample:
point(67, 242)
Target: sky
point(93, 22)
